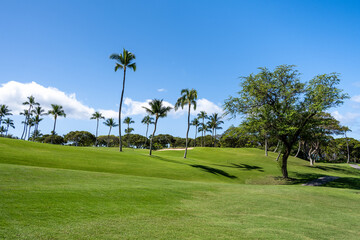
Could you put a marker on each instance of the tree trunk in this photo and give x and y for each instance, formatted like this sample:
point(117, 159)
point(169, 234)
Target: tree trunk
point(53, 133)
point(187, 132)
point(348, 150)
point(277, 146)
point(29, 132)
point(128, 137)
point(147, 128)
point(298, 151)
point(202, 134)
point(151, 140)
point(97, 128)
point(215, 138)
point(107, 144)
point(266, 147)
point(121, 100)
point(195, 136)
point(25, 123)
point(284, 163)
point(7, 129)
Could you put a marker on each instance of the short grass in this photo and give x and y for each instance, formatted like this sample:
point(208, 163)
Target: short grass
point(58, 192)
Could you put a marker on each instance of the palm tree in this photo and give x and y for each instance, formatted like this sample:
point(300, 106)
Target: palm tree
point(204, 128)
point(128, 121)
point(9, 123)
point(97, 116)
point(188, 97)
point(160, 111)
point(31, 123)
point(57, 111)
point(214, 123)
point(110, 123)
point(2, 130)
point(31, 102)
point(195, 122)
point(202, 115)
point(26, 113)
point(123, 61)
point(4, 111)
point(38, 111)
point(147, 120)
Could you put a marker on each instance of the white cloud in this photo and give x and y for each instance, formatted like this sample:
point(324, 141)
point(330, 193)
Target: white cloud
point(161, 90)
point(356, 99)
point(14, 94)
point(346, 118)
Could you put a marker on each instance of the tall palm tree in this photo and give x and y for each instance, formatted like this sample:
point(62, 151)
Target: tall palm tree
point(202, 115)
point(38, 112)
point(159, 111)
point(188, 97)
point(110, 123)
point(97, 116)
point(2, 130)
point(4, 111)
point(204, 128)
point(9, 123)
point(147, 120)
point(26, 113)
point(195, 122)
point(31, 102)
point(214, 123)
point(123, 61)
point(56, 111)
point(31, 123)
point(128, 121)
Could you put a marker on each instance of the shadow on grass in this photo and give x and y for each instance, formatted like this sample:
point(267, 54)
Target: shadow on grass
point(242, 166)
point(345, 182)
point(342, 169)
point(214, 171)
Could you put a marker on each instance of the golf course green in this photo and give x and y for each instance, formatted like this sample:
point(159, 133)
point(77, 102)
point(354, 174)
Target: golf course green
point(64, 192)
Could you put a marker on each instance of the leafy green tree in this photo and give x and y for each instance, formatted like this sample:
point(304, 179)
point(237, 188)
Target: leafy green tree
point(9, 123)
point(158, 110)
point(188, 97)
point(147, 120)
point(97, 116)
point(195, 122)
point(284, 103)
point(4, 111)
point(56, 111)
point(123, 61)
point(202, 115)
point(128, 121)
point(80, 138)
point(108, 141)
point(110, 123)
point(31, 103)
point(136, 140)
point(51, 138)
point(214, 124)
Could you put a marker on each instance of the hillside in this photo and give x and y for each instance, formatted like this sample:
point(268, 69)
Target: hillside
point(60, 192)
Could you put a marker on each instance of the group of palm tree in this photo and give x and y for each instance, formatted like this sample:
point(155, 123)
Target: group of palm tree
point(32, 114)
point(213, 124)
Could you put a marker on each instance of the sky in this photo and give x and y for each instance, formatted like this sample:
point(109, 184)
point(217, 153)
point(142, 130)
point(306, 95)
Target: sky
point(58, 51)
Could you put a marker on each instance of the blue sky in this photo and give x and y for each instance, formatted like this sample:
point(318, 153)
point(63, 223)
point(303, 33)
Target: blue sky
point(204, 45)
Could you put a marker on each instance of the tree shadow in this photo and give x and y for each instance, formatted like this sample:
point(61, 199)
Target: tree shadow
point(214, 171)
point(243, 166)
point(345, 182)
point(351, 171)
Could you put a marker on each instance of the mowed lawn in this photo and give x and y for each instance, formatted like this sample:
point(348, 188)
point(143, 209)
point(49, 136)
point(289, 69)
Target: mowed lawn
point(61, 192)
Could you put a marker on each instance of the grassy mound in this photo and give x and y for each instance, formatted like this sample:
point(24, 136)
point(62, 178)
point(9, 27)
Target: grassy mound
point(58, 192)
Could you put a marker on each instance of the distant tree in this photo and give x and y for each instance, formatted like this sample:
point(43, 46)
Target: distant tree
point(159, 111)
point(214, 124)
point(110, 123)
point(285, 104)
point(51, 138)
point(38, 112)
point(97, 116)
point(2, 131)
point(80, 138)
point(123, 61)
point(9, 123)
point(108, 141)
point(31, 103)
point(26, 113)
point(202, 115)
point(4, 111)
point(147, 120)
point(195, 122)
point(204, 128)
point(31, 123)
point(56, 111)
point(128, 121)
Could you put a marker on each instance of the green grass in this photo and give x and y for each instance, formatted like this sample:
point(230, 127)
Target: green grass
point(58, 192)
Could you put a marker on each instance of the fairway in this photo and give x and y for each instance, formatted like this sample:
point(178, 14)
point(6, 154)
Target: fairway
point(63, 192)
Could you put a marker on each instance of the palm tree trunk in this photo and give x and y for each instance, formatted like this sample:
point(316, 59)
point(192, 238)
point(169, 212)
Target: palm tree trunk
point(147, 128)
point(187, 132)
point(195, 136)
point(121, 100)
point(215, 138)
point(22, 135)
point(348, 150)
point(151, 139)
point(107, 144)
point(7, 129)
point(53, 132)
point(97, 128)
point(128, 138)
point(29, 132)
point(202, 136)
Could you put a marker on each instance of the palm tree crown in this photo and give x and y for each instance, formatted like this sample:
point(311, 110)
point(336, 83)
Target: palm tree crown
point(202, 115)
point(110, 122)
point(123, 60)
point(57, 110)
point(214, 124)
point(97, 116)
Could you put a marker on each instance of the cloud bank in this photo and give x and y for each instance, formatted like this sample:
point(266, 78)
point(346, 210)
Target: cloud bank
point(15, 93)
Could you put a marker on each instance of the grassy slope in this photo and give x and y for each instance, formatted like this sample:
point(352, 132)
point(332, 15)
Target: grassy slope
point(133, 196)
